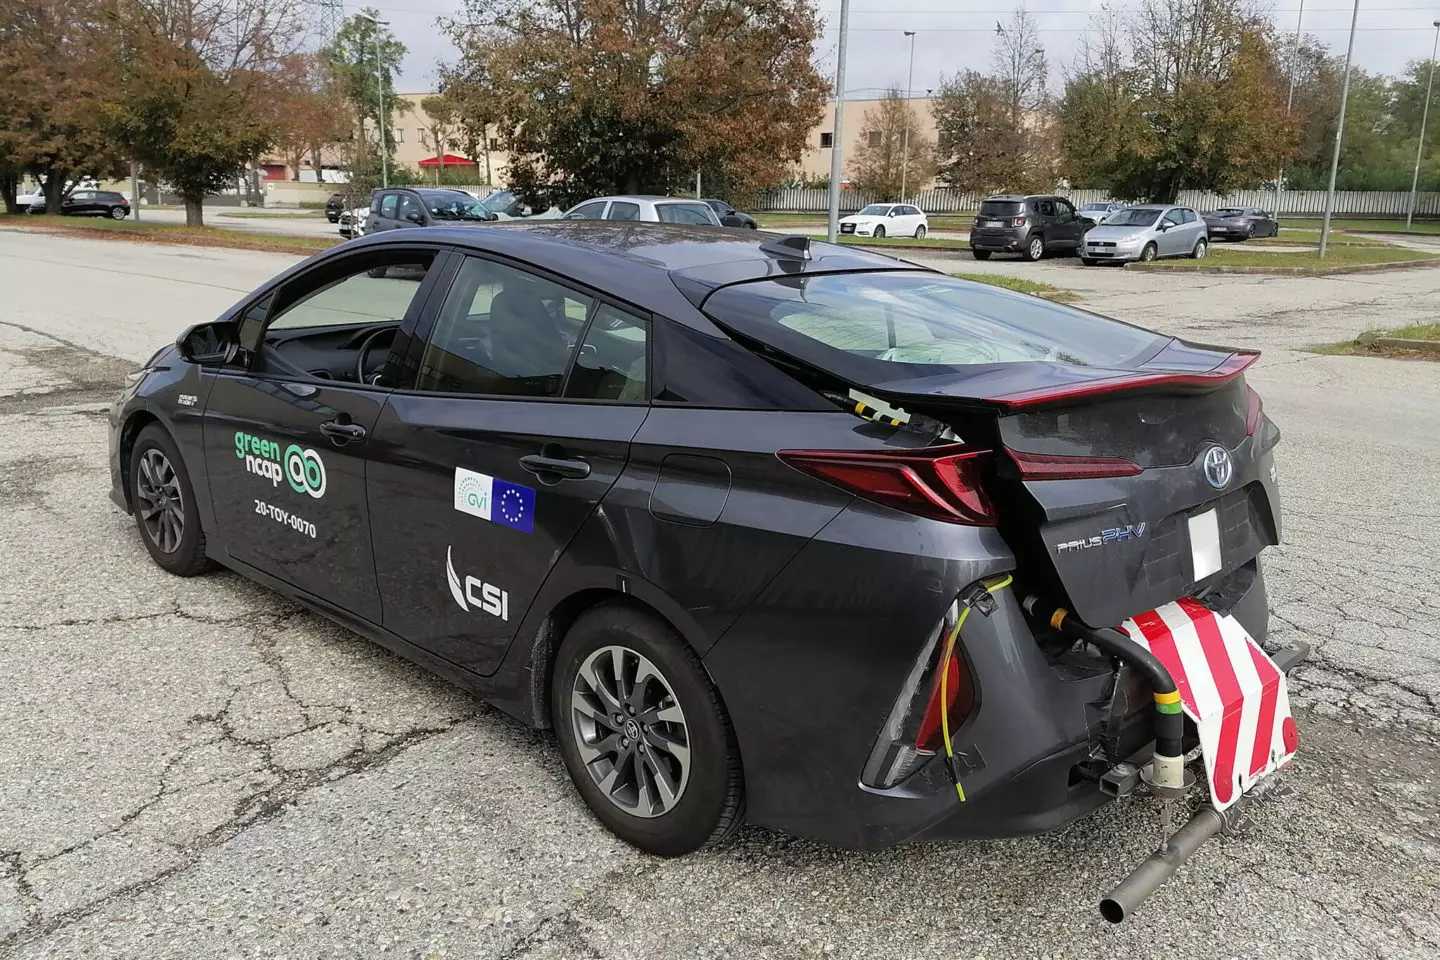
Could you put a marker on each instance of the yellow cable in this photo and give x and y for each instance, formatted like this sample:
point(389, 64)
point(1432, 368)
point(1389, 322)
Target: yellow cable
point(991, 586)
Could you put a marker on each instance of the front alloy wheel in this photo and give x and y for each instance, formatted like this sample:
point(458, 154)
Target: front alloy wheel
point(630, 731)
point(879, 233)
point(159, 501)
point(163, 501)
point(1148, 254)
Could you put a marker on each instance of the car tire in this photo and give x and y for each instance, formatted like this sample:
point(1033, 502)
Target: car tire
point(709, 803)
point(164, 504)
point(1250, 232)
point(1149, 253)
point(879, 233)
point(980, 254)
point(1201, 249)
point(1034, 249)
point(118, 213)
point(1089, 261)
point(920, 232)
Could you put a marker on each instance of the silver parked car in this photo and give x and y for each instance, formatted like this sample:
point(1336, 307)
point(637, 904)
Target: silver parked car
point(1101, 210)
point(647, 209)
point(1146, 232)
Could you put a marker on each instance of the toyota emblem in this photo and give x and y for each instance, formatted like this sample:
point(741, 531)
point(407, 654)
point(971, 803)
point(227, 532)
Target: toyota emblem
point(1217, 467)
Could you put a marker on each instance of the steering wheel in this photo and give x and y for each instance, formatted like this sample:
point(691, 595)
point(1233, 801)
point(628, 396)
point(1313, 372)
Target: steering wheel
point(367, 345)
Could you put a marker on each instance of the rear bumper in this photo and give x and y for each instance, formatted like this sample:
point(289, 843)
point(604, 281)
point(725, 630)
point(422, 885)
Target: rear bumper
point(807, 698)
point(1011, 241)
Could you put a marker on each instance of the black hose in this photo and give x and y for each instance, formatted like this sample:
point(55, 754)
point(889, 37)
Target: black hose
point(1169, 721)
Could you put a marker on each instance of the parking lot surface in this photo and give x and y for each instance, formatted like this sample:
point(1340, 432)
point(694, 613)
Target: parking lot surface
point(198, 768)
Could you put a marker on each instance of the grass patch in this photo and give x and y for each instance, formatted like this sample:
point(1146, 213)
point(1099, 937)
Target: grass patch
point(1361, 225)
point(1365, 345)
point(1021, 285)
point(934, 243)
point(169, 233)
point(1299, 262)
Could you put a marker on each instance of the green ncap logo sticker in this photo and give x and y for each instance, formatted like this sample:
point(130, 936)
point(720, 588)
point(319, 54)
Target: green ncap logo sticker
point(302, 467)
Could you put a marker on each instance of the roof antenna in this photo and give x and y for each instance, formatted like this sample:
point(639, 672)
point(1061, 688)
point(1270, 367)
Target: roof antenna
point(793, 247)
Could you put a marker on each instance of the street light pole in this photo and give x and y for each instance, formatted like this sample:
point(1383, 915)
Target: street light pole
point(1424, 116)
point(380, 91)
point(836, 142)
point(909, 82)
point(1339, 136)
point(1290, 100)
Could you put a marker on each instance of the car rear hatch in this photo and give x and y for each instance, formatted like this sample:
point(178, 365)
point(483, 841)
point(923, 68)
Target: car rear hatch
point(1126, 469)
point(997, 217)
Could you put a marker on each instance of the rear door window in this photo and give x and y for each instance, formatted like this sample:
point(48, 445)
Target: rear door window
point(877, 327)
point(692, 213)
point(623, 210)
point(1000, 208)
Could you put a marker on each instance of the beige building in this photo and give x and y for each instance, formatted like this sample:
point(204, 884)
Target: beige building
point(816, 161)
point(415, 147)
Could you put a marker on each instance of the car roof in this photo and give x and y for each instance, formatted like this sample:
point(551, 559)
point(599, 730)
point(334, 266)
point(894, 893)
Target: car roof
point(649, 197)
point(657, 263)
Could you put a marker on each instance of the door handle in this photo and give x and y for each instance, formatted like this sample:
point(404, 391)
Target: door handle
point(568, 469)
point(342, 431)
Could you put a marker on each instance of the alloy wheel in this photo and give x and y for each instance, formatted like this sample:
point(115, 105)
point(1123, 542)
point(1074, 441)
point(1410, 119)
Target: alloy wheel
point(117, 213)
point(920, 232)
point(1201, 248)
point(1037, 248)
point(879, 233)
point(160, 502)
point(630, 731)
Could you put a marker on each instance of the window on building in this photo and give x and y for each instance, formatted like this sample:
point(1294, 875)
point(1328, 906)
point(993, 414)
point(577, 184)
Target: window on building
point(874, 137)
point(827, 140)
point(399, 135)
point(494, 143)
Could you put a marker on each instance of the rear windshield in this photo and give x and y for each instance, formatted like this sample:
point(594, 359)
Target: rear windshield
point(1000, 208)
point(1134, 217)
point(1228, 212)
point(875, 327)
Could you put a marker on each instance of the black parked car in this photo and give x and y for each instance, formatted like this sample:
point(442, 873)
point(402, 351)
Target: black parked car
point(730, 217)
point(763, 528)
point(423, 207)
point(1241, 223)
point(1030, 226)
point(336, 205)
point(90, 203)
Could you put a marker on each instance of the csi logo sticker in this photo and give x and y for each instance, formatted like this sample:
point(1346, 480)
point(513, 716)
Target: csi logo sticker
point(475, 594)
point(499, 501)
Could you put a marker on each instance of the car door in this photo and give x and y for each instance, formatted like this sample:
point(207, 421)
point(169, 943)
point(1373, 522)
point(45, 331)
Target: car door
point(384, 212)
point(76, 204)
point(1195, 229)
point(410, 211)
point(1044, 219)
point(285, 431)
point(487, 464)
point(1068, 225)
point(1171, 240)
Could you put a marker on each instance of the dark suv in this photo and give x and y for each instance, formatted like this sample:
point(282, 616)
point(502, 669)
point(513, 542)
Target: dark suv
point(91, 203)
point(423, 207)
point(335, 206)
point(1029, 226)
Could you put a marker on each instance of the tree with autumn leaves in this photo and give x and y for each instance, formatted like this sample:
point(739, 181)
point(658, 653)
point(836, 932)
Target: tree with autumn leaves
point(626, 96)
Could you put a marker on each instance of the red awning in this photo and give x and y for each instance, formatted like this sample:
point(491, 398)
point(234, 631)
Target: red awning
point(451, 160)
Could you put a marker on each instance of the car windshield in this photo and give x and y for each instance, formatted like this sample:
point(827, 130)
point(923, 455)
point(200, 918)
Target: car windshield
point(1133, 217)
point(875, 210)
point(455, 206)
point(884, 326)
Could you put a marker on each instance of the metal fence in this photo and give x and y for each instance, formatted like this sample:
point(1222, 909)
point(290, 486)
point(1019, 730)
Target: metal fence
point(1292, 202)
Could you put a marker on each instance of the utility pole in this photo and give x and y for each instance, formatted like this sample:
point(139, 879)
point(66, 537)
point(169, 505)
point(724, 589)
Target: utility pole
point(697, 184)
point(909, 81)
point(134, 191)
point(836, 142)
point(1424, 116)
point(1290, 100)
point(1339, 136)
point(380, 90)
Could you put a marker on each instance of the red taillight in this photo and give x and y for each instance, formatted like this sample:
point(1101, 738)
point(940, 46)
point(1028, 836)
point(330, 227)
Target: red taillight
point(1209, 380)
point(1254, 409)
point(1019, 222)
point(1041, 466)
point(942, 483)
point(960, 695)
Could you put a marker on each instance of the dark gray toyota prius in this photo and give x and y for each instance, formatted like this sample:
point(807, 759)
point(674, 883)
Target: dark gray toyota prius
point(765, 529)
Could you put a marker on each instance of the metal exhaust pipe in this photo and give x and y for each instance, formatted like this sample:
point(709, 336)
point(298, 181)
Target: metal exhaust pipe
point(1161, 865)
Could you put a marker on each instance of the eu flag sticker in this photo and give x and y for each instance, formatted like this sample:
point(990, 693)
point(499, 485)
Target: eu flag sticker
point(514, 506)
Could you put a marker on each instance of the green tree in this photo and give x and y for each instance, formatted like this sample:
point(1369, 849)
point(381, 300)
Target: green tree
point(623, 96)
point(364, 58)
point(882, 156)
point(1183, 94)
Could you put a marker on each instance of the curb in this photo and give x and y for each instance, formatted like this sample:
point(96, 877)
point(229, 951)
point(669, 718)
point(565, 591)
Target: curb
point(1297, 271)
point(1399, 343)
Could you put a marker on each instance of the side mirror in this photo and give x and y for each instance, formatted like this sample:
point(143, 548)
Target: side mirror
point(210, 344)
point(414, 217)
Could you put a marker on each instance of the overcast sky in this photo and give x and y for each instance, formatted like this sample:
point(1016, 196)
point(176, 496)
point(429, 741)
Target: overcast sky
point(950, 39)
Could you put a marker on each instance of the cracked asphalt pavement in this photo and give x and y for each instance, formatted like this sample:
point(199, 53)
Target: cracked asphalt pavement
point(200, 769)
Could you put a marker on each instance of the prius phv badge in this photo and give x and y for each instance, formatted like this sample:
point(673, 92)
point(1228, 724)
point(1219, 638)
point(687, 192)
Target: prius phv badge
point(499, 501)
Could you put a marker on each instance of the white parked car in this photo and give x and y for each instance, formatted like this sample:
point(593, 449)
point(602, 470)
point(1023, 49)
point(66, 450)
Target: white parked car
point(35, 196)
point(1101, 210)
point(886, 220)
point(646, 209)
point(352, 222)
